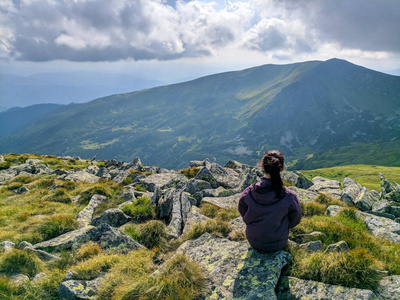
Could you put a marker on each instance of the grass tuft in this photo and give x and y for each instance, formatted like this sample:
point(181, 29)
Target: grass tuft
point(56, 225)
point(20, 261)
point(141, 209)
point(190, 172)
point(151, 234)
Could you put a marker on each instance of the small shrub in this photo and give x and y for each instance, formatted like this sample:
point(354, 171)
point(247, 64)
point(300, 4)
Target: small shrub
point(127, 180)
point(181, 278)
point(132, 232)
point(5, 165)
point(24, 179)
point(312, 208)
point(56, 225)
point(228, 214)
point(356, 268)
point(20, 261)
point(152, 234)
point(14, 185)
point(215, 227)
point(327, 200)
point(93, 267)
point(140, 210)
point(88, 194)
point(190, 172)
point(140, 188)
point(60, 195)
point(209, 210)
point(44, 183)
point(88, 250)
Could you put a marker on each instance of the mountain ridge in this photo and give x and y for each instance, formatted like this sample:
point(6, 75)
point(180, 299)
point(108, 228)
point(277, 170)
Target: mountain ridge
point(299, 108)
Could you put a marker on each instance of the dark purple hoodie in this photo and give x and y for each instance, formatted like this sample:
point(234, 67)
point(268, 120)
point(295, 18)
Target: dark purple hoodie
point(267, 217)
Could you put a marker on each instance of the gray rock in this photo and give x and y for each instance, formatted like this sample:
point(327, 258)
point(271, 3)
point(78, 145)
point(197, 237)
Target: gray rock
point(43, 255)
point(194, 217)
point(313, 246)
point(64, 241)
point(333, 210)
point(296, 179)
point(21, 190)
point(93, 170)
point(79, 176)
point(393, 196)
point(237, 166)
point(238, 224)
point(7, 175)
point(381, 206)
point(338, 247)
point(294, 288)
point(386, 186)
point(223, 202)
point(246, 179)
point(382, 227)
point(225, 177)
point(24, 244)
point(78, 289)
point(39, 276)
point(121, 176)
point(163, 181)
point(326, 186)
point(2, 158)
point(351, 190)
point(198, 163)
point(366, 199)
point(394, 209)
point(305, 196)
point(18, 279)
point(389, 288)
point(382, 214)
point(234, 269)
point(206, 175)
point(70, 275)
point(196, 185)
point(85, 215)
point(135, 164)
point(129, 194)
point(109, 239)
point(181, 207)
point(156, 196)
point(6, 246)
point(113, 217)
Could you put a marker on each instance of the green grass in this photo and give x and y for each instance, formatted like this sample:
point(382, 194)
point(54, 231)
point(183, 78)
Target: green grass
point(20, 261)
point(151, 234)
point(56, 225)
point(190, 172)
point(141, 209)
point(366, 175)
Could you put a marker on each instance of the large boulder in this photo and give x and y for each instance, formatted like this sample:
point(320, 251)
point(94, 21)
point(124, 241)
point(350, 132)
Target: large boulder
point(223, 202)
point(6, 246)
point(85, 215)
point(237, 166)
point(296, 179)
point(108, 238)
point(206, 175)
point(351, 190)
point(389, 288)
point(366, 199)
point(294, 288)
point(43, 255)
point(386, 186)
point(163, 181)
point(113, 217)
point(197, 185)
point(194, 217)
point(382, 227)
point(234, 269)
point(79, 176)
point(305, 196)
point(225, 177)
point(326, 186)
point(64, 241)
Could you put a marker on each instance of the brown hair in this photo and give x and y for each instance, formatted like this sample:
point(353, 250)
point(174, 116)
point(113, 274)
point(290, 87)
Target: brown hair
point(273, 163)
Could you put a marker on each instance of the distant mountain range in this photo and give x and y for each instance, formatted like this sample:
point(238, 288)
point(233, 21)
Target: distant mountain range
point(319, 114)
point(64, 88)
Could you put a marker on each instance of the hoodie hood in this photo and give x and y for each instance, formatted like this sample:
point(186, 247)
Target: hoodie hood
point(263, 192)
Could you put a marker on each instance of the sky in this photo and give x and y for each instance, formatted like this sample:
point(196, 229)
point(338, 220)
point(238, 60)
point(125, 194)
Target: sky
point(172, 40)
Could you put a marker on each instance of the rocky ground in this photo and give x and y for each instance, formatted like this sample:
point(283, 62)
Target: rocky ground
point(233, 269)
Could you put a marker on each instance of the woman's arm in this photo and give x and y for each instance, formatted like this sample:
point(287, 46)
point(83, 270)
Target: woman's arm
point(294, 212)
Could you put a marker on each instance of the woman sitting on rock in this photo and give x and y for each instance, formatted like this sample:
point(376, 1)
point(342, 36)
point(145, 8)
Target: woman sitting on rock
point(268, 208)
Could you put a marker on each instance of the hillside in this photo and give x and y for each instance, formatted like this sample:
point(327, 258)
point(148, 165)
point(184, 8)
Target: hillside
point(304, 109)
point(78, 229)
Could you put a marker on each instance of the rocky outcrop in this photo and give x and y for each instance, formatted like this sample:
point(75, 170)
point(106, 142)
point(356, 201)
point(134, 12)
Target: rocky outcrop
point(78, 289)
point(163, 181)
point(79, 176)
point(108, 238)
point(389, 288)
point(296, 179)
point(304, 195)
point(234, 269)
point(223, 202)
point(64, 241)
point(382, 227)
point(85, 215)
point(326, 186)
point(294, 288)
point(113, 217)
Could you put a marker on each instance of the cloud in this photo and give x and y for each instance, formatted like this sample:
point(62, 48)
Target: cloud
point(112, 30)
